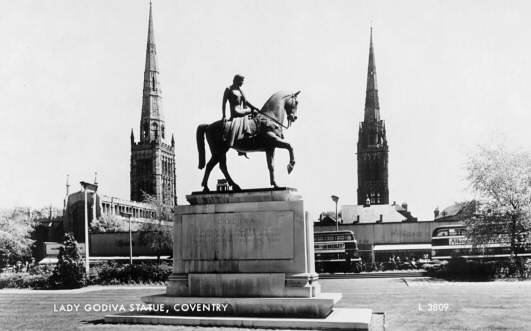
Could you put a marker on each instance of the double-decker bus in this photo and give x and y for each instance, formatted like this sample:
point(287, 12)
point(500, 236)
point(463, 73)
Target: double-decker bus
point(451, 241)
point(336, 251)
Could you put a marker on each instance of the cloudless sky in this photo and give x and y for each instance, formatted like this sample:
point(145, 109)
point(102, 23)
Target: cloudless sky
point(451, 74)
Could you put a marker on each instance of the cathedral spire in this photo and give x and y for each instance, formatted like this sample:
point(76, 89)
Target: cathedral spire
point(372, 105)
point(152, 160)
point(373, 152)
point(152, 120)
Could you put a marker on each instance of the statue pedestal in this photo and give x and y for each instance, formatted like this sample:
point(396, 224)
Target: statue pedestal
point(251, 251)
point(245, 244)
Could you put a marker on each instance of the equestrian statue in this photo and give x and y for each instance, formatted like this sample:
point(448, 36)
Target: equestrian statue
point(249, 129)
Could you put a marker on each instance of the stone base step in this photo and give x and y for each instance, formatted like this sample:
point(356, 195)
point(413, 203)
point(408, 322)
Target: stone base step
point(339, 319)
point(315, 307)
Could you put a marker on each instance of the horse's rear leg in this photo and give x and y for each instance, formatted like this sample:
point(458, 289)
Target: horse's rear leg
point(210, 165)
point(223, 167)
point(270, 156)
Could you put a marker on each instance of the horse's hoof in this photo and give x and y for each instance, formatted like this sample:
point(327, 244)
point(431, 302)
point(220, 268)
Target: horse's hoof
point(290, 168)
point(206, 189)
point(274, 185)
point(236, 188)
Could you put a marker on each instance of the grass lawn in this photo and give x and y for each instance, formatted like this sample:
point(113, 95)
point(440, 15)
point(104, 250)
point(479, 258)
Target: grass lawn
point(470, 306)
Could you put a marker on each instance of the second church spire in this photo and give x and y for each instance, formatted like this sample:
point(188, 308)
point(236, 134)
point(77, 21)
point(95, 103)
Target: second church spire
point(152, 120)
point(372, 105)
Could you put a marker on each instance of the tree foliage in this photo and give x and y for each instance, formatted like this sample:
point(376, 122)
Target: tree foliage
point(159, 236)
point(16, 226)
point(48, 224)
point(69, 271)
point(107, 223)
point(502, 180)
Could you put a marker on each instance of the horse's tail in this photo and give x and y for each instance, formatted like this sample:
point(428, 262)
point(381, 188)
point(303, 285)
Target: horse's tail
point(200, 137)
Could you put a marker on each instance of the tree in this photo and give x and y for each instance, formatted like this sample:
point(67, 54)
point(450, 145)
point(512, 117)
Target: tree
point(69, 271)
point(16, 226)
point(107, 223)
point(48, 224)
point(502, 179)
point(158, 236)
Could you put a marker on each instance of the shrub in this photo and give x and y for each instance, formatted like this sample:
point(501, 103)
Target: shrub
point(23, 280)
point(108, 223)
point(143, 272)
point(461, 269)
point(69, 271)
point(521, 268)
point(15, 243)
point(41, 269)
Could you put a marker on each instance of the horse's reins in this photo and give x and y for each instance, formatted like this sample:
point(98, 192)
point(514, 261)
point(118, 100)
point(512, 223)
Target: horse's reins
point(274, 120)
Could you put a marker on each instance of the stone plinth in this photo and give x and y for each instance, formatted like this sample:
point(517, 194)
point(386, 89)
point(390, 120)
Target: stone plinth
point(254, 243)
point(246, 259)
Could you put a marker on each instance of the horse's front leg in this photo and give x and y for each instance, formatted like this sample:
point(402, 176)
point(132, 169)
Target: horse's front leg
point(225, 171)
point(270, 156)
point(281, 143)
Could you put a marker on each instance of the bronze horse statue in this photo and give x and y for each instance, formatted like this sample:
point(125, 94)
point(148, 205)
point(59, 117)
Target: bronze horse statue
point(267, 135)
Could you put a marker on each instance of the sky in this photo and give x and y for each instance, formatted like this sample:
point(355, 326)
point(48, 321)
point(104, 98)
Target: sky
point(451, 75)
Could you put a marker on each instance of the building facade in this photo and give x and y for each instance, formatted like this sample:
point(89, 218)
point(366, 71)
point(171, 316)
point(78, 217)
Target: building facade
point(97, 205)
point(372, 145)
point(152, 159)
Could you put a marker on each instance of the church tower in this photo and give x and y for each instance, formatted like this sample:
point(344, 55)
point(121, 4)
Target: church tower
point(152, 160)
point(372, 145)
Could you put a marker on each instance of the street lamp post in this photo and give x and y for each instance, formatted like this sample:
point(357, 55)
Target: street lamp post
point(128, 215)
point(335, 198)
point(86, 188)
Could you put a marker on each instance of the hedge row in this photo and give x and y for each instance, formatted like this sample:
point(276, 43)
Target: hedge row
point(470, 270)
point(23, 280)
point(136, 273)
point(110, 273)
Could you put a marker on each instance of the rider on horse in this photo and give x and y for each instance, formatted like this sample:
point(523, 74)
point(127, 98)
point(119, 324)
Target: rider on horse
point(261, 133)
point(238, 126)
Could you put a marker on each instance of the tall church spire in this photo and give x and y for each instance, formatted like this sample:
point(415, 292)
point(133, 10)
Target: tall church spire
point(372, 105)
point(152, 120)
point(152, 160)
point(372, 145)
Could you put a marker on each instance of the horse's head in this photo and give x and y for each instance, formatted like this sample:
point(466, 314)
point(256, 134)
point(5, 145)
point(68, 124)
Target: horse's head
point(290, 106)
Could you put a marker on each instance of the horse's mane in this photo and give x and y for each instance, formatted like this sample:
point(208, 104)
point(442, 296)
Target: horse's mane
point(274, 101)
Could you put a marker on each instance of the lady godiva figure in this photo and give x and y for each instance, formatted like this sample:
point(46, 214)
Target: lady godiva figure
point(239, 109)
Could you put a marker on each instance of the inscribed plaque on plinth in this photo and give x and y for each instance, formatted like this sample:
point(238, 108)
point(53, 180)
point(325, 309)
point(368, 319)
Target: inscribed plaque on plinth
point(238, 236)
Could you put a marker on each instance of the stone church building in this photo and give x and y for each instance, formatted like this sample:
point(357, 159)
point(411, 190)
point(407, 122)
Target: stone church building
point(372, 145)
point(152, 161)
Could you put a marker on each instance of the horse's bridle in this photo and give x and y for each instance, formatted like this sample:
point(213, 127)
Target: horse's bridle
point(293, 100)
point(292, 96)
